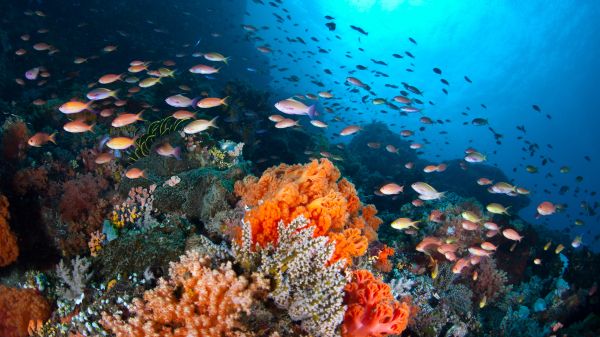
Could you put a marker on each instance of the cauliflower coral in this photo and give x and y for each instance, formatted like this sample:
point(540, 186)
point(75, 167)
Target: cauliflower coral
point(195, 301)
point(372, 310)
point(315, 191)
point(9, 251)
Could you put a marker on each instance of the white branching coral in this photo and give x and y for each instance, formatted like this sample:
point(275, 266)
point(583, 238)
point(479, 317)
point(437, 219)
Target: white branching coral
point(73, 281)
point(305, 284)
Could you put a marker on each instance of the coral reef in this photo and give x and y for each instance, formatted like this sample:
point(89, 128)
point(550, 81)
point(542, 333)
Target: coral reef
point(315, 191)
point(196, 301)
point(372, 310)
point(73, 280)
point(306, 286)
point(9, 250)
point(19, 307)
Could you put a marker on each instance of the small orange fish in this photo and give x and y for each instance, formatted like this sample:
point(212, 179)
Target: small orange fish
point(183, 114)
point(391, 189)
point(73, 107)
point(135, 173)
point(78, 126)
point(120, 143)
point(126, 119)
point(349, 130)
point(41, 138)
point(110, 78)
point(512, 234)
point(286, 123)
point(211, 102)
point(103, 158)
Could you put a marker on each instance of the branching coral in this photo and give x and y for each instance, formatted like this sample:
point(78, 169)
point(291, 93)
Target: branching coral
point(195, 301)
point(73, 281)
point(372, 310)
point(315, 191)
point(9, 251)
point(305, 285)
point(18, 307)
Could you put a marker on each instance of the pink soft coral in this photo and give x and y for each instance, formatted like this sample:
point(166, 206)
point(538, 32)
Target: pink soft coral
point(372, 310)
point(196, 301)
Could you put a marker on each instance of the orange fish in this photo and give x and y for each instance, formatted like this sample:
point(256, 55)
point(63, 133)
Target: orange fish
point(183, 114)
point(286, 123)
point(546, 208)
point(103, 158)
point(484, 181)
point(391, 189)
point(73, 107)
point(41, 138)
point(211, 102)
point(110, 78)
point(349, 130)
point(511, 234)
point(78, 126)
point(120, 143)
point(126, 119)
point(135, 173)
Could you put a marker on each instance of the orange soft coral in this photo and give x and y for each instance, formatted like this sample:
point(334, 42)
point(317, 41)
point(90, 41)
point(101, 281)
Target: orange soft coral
point(19, 307)
point(315, 191)
point(196, 301)
point(372, 310)
point(382, 263)
point(9, 251)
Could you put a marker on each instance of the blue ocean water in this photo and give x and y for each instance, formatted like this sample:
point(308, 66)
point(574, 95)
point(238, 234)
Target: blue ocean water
point(516, 53)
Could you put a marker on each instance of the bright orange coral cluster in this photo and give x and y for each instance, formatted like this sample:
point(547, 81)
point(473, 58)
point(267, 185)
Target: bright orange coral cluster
point(315, 191)
point(196, 301)
point(19, 307)
point(372, 310)
point(9, 250)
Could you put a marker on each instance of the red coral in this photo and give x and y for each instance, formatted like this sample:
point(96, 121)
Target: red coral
point(18, 307)
point(315, 191)
point(83, 209)
point(372, 310)
point(9, 251)
point(196, 301)
point(30, 179)
point(382, 263)
point(14, 140)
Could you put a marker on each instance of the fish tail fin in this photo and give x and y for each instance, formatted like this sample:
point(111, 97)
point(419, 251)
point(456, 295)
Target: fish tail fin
point(506, 210)
point(441, 195)
point(218, 70)
point(195, 101)
point(139, 116)
point(225, 60)
point(52, 137)
point(114, 93)
point(212, 122)
point(312, 112)
point(92, 127)
point(177, 153)
point(224, 101)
